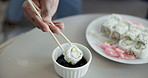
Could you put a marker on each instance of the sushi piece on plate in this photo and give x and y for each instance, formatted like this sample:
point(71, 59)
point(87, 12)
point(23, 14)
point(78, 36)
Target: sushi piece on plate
point(132, 33)
point(126, 45)
point(128, 40)
point(119, 31)
point(135, 23)
point(108, 26)
point(140, 49)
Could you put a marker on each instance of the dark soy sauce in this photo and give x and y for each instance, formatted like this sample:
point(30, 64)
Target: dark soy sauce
point(63, 62)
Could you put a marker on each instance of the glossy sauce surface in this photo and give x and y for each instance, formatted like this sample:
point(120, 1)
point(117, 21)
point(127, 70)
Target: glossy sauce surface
point(63, 62)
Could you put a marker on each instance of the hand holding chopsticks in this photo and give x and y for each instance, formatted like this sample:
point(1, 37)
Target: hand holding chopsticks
point(46, 9)
point(37, 11)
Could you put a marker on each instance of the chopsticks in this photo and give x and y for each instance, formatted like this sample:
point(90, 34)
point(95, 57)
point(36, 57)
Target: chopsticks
point(37, 10)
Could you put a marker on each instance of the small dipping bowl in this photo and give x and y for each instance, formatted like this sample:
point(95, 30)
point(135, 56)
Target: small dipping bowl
point(67, 72)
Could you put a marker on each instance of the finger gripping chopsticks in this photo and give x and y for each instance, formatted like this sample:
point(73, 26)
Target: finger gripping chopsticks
point(37, 10)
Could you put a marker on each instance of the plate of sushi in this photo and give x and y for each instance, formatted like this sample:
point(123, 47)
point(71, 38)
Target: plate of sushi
point(119, 37)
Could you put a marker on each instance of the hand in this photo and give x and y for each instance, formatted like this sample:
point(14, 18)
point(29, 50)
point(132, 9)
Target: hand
point(47, 10)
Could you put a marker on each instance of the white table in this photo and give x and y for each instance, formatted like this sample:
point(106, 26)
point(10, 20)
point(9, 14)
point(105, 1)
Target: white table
point(29, 56)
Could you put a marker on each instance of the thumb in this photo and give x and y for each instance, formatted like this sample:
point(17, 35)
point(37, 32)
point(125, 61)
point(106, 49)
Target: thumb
point(45, 10)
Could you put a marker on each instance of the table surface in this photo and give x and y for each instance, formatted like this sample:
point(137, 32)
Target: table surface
point(29, 56)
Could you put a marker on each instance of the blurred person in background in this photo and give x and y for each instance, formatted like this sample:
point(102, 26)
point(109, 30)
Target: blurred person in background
point(44, 8)
point(14, 14)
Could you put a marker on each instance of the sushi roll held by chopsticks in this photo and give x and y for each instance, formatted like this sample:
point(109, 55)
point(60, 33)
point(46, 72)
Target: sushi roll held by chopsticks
point(108, 26)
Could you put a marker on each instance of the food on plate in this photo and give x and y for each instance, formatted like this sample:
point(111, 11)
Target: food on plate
point(140, 48)
point(130, 36)
point(115, 51)
point(132, 33)
point(119, 30)
point(126, 44)
point(128, 39)
point(108, 26)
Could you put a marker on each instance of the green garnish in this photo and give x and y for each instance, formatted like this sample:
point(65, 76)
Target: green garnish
point(129, 42)
point(67, 59)
point(74, 49)
point(107, 32)
point(127, 23)
point(138, 46)
point(113, 37)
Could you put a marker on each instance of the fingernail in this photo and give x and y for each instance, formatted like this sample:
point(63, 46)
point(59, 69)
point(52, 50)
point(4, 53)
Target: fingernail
point(58, 31)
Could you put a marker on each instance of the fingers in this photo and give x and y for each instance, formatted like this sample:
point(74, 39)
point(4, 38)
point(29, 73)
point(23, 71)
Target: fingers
point(47, 11)
point(37, 3)
point(40, 24)
point(32, 16)
point(60, 25)
point(57, 28)
point(27, 11)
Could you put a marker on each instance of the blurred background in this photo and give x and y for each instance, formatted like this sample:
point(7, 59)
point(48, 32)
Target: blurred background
point(137, 8)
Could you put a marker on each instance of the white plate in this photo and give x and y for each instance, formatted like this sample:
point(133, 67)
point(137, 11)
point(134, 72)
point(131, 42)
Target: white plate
point(94, 37)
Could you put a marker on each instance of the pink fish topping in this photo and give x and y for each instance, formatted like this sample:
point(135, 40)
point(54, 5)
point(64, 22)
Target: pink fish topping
point(133, 22)
point(114, 51)
point(137, 23)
